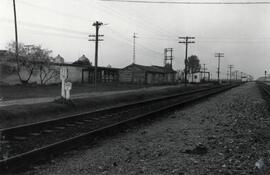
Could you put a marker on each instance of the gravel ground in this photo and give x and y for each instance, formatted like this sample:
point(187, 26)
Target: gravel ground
point(225, 134)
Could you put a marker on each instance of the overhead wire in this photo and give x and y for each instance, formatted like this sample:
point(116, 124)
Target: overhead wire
point(51, 10)
point(126, 39)
point(119, 14)
point(192, 2)
point(40, 32)
point(144, 26)
point(42, 26)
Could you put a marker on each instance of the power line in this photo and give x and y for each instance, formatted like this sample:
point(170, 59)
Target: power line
point(191, 2)
point(127, 18)
point(52, 10)
point(127, 40)
point(42, 26)
point(40, 32)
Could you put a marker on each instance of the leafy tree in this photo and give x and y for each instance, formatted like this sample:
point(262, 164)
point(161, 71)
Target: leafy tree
point(193, 65)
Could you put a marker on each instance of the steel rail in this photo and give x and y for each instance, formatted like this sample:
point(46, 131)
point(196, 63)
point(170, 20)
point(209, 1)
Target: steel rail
point(26, 158)
point(7, 133)
point(263, 87)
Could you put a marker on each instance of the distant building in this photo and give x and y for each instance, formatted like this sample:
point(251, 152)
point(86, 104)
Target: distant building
point(198, 77)
point(140, 74)
point(58, 59)
point(104, 74)
point(83, 60)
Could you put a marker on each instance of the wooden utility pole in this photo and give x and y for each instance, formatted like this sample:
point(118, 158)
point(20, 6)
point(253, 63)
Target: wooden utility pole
point(134, 47)
point(186, 42)
point(96, 24)
point(219, 55)
point(16, 38)
point(230, 67)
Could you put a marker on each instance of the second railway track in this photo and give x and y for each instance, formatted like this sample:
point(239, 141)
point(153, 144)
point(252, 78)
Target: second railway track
point(25, 143)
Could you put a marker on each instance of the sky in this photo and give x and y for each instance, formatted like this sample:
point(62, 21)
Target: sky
point(240, 31)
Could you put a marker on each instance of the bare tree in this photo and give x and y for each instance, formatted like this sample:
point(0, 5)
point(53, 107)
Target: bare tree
point(33, 59)
point(47, 72)
point(21, 50)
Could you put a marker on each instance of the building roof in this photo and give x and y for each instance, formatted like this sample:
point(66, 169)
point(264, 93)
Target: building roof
point(153, 68)
point(85, 67)
point(58, 59)
point(83, 58)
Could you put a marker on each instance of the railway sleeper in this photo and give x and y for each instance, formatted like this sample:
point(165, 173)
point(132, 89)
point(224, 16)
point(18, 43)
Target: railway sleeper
point(48, 131)
point(35, 134)
point(19, 138)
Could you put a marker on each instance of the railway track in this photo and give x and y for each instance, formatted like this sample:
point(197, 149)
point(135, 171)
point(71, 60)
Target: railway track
point(24, 144)
point(265, 87)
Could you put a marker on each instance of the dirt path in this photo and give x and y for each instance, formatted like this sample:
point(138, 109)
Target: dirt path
point(27, 101)
point(226, 134)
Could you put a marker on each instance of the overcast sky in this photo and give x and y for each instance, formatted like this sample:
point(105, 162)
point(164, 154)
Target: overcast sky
point(241, 32)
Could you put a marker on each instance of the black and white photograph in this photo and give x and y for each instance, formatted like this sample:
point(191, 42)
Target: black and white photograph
point(135, 87)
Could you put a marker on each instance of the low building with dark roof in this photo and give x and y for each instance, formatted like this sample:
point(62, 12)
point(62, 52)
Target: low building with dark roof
point(141, 74)
point(58, 59)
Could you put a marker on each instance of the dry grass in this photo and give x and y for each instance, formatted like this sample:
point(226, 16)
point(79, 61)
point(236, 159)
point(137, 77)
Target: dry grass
point(35, 91)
